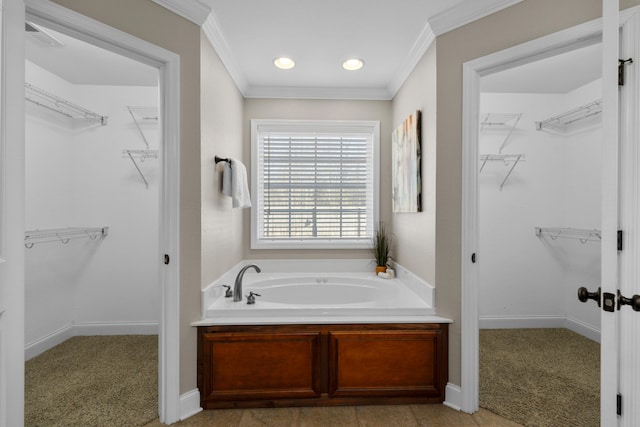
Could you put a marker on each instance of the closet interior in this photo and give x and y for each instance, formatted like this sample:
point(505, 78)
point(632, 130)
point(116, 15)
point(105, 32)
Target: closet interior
point(539, 194)
point(92, 199)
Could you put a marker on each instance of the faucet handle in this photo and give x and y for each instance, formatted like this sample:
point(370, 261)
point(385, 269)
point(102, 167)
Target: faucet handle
point(251, 298)
point(228, 293)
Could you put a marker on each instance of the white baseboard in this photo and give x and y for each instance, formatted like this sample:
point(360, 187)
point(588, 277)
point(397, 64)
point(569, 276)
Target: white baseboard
point(115, 328)
point(40, 345)
point(189, 404)
point(524, 322)
point(453, 397)
point(521, 322)
point(582, 328)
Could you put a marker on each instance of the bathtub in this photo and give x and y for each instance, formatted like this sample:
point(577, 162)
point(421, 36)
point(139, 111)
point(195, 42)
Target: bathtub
point(320, 292)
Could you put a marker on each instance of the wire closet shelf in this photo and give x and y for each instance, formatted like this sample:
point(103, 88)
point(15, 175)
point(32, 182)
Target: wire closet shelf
point(562, 121)
point(49, 101)
point(583, 235)
point(63, 235)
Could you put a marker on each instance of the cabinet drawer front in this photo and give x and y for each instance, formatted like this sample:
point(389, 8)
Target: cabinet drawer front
point(386, 363)
point(258, 366)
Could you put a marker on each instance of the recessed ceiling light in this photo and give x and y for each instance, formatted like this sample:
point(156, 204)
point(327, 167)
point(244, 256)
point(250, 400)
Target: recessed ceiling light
point(284, 63)
point(352, 64)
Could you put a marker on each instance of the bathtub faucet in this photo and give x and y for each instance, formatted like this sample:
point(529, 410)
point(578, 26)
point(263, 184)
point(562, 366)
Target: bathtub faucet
point(237, 287)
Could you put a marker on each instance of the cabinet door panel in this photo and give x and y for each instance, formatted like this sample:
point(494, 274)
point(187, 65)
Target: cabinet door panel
point(258, 366)
point(386, 363)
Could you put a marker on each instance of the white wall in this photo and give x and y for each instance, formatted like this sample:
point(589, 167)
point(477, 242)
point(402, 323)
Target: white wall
point(525, 280)
point(76, 176)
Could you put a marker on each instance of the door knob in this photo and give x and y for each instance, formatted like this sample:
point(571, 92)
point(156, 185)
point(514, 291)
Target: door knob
point(584, 295)
point(634, 301)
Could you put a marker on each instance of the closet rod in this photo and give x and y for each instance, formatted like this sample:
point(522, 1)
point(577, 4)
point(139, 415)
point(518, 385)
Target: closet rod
point(584, 235)
point(63, 235)
point(44, 99)
point(565, 119)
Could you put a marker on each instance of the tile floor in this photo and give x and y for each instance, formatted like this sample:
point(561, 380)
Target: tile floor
point(343, 416)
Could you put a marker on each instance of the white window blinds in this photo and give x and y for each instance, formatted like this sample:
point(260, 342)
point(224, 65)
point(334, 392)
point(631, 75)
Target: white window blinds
point(315, 186)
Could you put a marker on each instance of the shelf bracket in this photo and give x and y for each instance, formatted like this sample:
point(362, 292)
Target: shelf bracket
point(515, 123)
point(505, 120)
point(145, 113)
point(142, 155)
point(515, 158)
point(513, 166)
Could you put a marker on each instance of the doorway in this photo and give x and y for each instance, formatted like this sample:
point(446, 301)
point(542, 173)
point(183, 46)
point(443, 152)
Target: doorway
point(78, 26)
point(92, 198)
point(539, 208)
point(612, 350)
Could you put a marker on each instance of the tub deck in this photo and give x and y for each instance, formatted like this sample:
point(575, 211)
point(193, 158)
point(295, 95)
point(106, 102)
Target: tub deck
point(321, 298)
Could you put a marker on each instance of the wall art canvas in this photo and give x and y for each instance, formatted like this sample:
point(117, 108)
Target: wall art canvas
point(406, 166)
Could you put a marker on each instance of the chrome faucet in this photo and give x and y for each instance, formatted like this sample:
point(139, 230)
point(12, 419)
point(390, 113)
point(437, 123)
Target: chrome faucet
point(237, 287)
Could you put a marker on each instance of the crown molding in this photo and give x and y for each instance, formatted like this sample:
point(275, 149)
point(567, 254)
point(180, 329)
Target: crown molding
point(345, 93)
point(192, 10)
point(465, 13)
point(417, 51)
point(455, 17)
point(214, 34)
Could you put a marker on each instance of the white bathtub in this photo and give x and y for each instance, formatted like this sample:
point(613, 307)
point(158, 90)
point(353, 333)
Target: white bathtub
point(349, 292)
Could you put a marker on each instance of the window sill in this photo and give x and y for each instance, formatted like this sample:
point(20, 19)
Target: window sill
point(303, 244)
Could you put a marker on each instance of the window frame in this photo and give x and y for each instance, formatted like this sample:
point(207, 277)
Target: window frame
point(345, 127)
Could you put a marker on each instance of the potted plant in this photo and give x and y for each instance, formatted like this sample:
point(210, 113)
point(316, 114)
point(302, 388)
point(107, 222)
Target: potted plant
point(381, 247)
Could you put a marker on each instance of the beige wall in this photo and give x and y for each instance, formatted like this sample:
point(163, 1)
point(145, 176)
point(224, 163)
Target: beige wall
point(415, 232)
point(221, 106)
point(148, 21)
point(522, 22)
point(321, 110)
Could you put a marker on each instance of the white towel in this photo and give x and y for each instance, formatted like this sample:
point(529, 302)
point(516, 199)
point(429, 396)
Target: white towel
point(234, 184)
point(226, 179)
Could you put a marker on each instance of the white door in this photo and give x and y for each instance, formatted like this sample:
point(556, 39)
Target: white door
point(620, 286)
point(627, 315)
point(610, 200)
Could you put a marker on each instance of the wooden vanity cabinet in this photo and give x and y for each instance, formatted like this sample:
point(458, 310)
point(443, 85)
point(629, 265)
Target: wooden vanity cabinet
point(321, 365)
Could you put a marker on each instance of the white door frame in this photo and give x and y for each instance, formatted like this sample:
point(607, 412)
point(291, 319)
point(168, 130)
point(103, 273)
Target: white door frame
point(12, 215)
point(550, 45)
point(168, 63)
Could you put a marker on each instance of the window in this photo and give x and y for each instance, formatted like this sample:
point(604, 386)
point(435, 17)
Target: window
point(314, 183)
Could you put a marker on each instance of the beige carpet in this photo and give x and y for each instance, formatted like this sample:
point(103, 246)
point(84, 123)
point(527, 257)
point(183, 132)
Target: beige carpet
point(97, 381)
point(540, 377)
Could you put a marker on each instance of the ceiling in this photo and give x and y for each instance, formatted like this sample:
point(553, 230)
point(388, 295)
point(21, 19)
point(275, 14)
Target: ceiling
point(319, 36)
point(556, 74)
point(389, 35)
point(82, 63)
